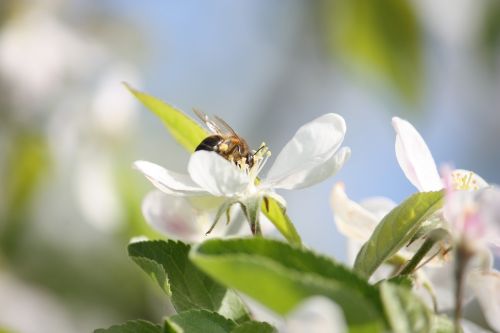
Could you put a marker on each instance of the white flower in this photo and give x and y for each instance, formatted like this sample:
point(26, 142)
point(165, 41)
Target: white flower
point(357, 222)
point(474, 222)
point(486, 288)
point(471, 212)
point(186, 218)
point(312, 155)
point(473, 217)
point(416, 161)
point(316, 314)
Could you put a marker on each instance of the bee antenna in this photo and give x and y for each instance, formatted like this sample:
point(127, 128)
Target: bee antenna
point(260, 148)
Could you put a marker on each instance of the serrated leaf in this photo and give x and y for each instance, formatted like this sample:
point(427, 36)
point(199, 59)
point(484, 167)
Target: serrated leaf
point(406, 312)
point(156, 272)
point(254, 327)
point(277, 215)
point(281, 276)
point(133, 326)
point(396, 229)
point(197, 321)
point(183, 128)
point(189, 288)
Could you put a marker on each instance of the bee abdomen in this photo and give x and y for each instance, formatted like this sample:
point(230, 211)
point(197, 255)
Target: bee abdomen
point(210, 143)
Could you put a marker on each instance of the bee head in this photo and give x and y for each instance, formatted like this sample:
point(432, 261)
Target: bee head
point(250, 159)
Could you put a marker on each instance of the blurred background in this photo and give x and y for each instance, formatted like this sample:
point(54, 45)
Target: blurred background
point(69, 132)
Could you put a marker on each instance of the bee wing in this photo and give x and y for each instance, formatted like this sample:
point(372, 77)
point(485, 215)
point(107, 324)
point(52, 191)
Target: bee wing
point(212, 126)
point(215, 124)
point(223, 125)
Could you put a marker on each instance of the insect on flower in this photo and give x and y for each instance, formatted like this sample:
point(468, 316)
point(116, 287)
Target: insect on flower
point(225, 142)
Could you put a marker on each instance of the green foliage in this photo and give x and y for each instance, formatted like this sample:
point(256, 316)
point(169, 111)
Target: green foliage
point(254, 327)
point(133, 326)
point(280, 276)
point(442, 324)
point(195, 321)
point(490, 33)
point(277, 215)
point(168, 264)
point(184, 129)
point(26, 162)
point(404, 281)
point(396, 229)
point(433, 237)
point(406, 313)
point(378, 36)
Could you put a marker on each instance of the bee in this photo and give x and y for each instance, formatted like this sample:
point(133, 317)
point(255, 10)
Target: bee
point(224, 141)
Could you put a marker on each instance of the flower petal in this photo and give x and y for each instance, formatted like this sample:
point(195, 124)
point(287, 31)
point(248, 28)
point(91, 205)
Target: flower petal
point(311, 176)
point(316, 315)
point(217, 175)
point(489, 211)
point(168, 181)
point(486, 287)
point(172, 216)
point(352, 220)
point(442, 277)
point(415, 158)
point(312, 145)
point(183, 219)
point(378, 206)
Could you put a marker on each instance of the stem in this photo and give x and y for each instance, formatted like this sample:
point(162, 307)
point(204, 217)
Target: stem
point(427, 286)
point(461, 260)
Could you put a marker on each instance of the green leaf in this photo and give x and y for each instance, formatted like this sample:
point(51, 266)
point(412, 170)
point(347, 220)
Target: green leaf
point(396, 229)
point(281, 276)
point(254, 327)
point(197, 321)
point(183, 128)
point(381, 37)
point(442, 324)
point(168, 263)
point(133, 326)
point(277, 215)
point(433, 237)
point(406, 312)
point(404, 281)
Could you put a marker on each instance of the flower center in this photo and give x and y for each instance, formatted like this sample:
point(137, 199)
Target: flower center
point(260, 157)
point(465, 181)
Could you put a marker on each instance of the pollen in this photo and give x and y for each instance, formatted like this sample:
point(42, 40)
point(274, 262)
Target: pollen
point(242, 164)
point(223, 147)
point(464, 181)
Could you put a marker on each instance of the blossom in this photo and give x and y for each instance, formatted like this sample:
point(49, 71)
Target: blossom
point(474, 223)
point(358, 221)
point(316, 314)
point(185, 218)
point(311, 156)
point(417, 163)
point(471, 214)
